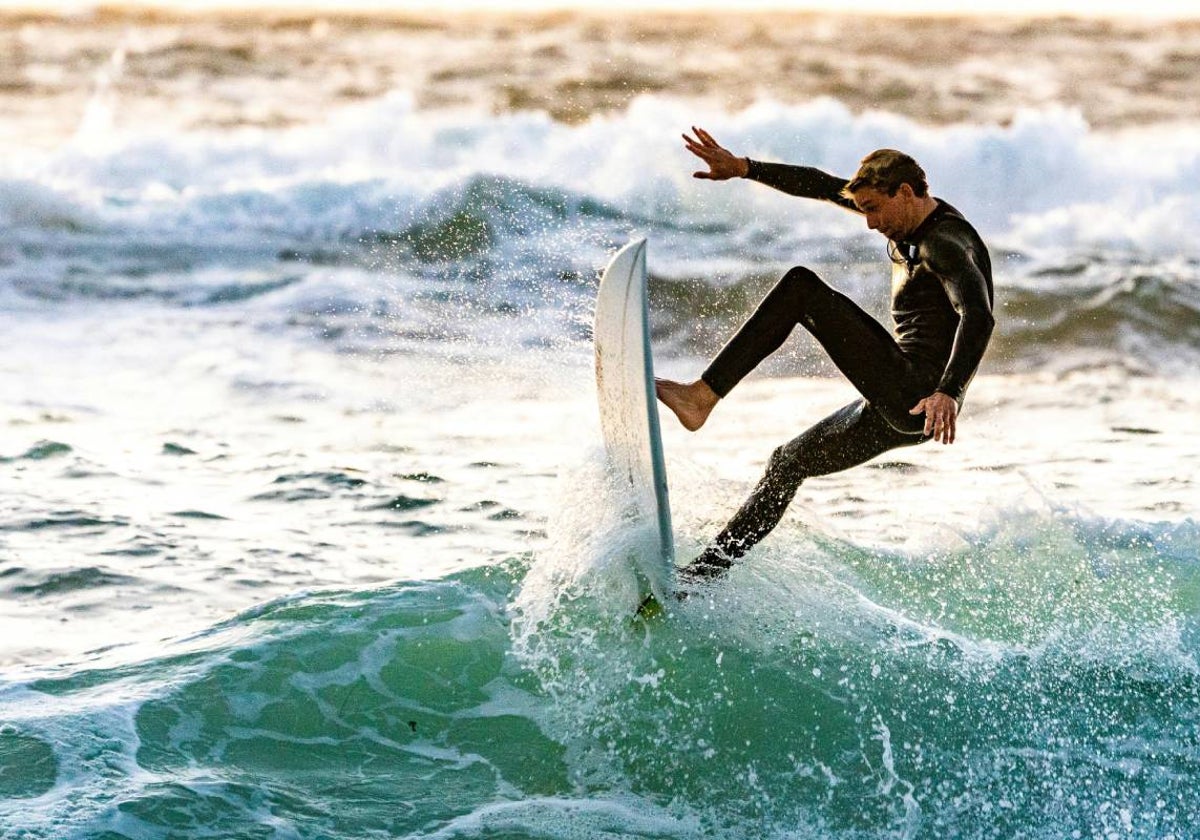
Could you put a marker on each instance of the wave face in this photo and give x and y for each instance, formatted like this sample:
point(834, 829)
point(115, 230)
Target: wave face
point(391, 225)
point(1038, 681)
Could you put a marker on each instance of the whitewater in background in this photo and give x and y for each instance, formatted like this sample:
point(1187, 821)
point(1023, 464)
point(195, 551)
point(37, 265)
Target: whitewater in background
point(305, 530)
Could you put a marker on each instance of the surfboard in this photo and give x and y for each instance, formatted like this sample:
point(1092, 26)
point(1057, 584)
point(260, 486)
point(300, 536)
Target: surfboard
point(629, 411)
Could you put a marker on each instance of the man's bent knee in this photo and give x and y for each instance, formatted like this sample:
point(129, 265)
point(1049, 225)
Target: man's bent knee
point(801, 279)
point(786, 461)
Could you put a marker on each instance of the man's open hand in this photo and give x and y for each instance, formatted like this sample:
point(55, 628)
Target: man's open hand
point(940, 412)
point(722, 163)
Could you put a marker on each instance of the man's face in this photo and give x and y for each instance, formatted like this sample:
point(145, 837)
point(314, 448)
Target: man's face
point(891, 215)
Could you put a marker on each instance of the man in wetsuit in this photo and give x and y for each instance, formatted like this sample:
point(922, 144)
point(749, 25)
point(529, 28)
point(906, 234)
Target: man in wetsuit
point(941, 306)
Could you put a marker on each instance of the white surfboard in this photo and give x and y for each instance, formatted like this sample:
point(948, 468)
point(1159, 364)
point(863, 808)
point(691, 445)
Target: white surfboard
point(628, 409)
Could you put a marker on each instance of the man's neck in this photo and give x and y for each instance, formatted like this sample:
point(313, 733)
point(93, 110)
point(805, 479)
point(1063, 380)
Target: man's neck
point(922, 207)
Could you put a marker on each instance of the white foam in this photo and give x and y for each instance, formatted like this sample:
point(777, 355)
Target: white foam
point(1047, 179)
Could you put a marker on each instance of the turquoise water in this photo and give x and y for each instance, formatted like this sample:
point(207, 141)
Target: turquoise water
point(1039, 683)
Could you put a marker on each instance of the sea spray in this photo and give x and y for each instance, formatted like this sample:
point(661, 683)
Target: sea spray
point(972, 690)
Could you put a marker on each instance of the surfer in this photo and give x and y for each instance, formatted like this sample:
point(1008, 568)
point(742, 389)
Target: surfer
point(912, 383)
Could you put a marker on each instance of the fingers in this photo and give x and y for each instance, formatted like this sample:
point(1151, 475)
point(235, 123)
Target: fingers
point(703, 138)
point(700, 141)
point(943, 427)
point(703, 144)
point(920, 408)
point(722, 164)
point(702, 150)
point(940, 418)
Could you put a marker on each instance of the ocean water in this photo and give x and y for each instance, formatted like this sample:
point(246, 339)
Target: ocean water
point(305, 530)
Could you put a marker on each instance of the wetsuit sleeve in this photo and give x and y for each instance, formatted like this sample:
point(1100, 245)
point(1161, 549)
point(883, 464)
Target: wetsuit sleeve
point(802, 181)
point(954, 261)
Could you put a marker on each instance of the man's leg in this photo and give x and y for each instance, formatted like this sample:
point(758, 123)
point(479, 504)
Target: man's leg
point(848, 437)
point(865, 352)
point(862, 348)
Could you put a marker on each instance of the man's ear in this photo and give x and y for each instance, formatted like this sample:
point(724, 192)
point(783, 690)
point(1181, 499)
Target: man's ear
point(905, 191)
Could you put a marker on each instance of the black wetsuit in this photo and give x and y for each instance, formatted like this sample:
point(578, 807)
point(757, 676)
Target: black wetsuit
point(942, 308)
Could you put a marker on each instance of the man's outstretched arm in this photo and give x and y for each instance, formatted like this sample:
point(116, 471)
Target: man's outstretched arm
point(801, 181)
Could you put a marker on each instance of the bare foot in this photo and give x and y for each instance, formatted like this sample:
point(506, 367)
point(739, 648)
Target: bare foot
point(692, 402)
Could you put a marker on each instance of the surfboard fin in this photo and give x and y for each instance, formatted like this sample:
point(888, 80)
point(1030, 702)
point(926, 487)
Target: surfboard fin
point(650, 607)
